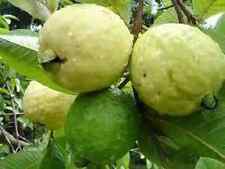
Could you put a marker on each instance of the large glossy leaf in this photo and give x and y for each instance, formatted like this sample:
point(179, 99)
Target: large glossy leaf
point(205, 8)
point(23, 37)
point(53, 158)
point(36, 8)
point(215, 27)
point(22, 160)
point(180, 142)
point(208, 163)
point(19, 51)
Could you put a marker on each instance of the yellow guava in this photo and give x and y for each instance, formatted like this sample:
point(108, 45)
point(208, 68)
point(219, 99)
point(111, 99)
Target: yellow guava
point(86, 47)
point(174, 66)
point(102, 126)
point(44, 105)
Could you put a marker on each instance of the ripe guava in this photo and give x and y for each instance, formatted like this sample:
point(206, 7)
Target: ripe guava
point(86, 47)
point(102, 126)
point(175, 66)
point(44, 105)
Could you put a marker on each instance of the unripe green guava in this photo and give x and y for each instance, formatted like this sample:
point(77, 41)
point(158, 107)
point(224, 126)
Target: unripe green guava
point(174, 66)
point(90, 44)
point(102, 126)
point(44, 105)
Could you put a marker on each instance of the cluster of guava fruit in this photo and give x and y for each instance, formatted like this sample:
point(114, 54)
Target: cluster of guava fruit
point(85, 48)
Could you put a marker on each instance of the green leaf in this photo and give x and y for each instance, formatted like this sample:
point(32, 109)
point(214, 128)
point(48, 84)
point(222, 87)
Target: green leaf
point(214, 26)
point(54, 158)
point(121, 7)
point(22, 160)
point(24, 58)
point(53, 5)
point(205, 8)
point(35, 8)
point(208, 163)
point(23, 37)
point(168, 16)
point(183, 140)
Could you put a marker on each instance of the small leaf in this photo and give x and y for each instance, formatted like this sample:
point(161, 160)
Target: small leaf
point(205, 8)
point(35, 8)
point(52, 5)
point(168, 16)
point(208, 163)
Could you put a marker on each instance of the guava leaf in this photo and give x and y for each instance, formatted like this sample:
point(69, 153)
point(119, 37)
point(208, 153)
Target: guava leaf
point(205, 8)
point(19, 51)
point(53, 158)
point(22, 160)
point(35, 8)
point(52, 5)
point(23, 37)
point(167, 16)
point(214, 26)
point(181, 141)
point(208, 163)
point(121, 7)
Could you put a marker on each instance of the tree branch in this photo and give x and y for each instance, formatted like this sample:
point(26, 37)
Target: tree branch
point(138, 20)
point(178, 11)
point(11, 139)
point(191, 18)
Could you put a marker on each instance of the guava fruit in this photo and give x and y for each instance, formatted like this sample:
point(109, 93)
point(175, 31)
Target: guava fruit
point(102, 126)
point(175, 66)
point(85, 47)
point(44, 105)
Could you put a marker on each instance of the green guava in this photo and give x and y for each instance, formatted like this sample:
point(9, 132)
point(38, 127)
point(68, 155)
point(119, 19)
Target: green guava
point(85, 47)
point(102, 126)
point(44, 105)
point(175, 66)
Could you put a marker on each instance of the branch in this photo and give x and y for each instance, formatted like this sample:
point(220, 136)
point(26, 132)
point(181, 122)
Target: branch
point(15, 112)
point(191, 18)
point(138, 20)
point(11, 139)
point(178, 11)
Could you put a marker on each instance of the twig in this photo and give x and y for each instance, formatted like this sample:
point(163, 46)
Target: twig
point(167, 7)
point(191, 18)
point(136, 29)
point(138, 20)
point(178, 11)
point(15, 112)
point(11, 139)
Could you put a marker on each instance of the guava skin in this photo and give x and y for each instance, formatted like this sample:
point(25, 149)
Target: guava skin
point(174, 66)
point(44, 105)
point(92, 43)
point(103, 126)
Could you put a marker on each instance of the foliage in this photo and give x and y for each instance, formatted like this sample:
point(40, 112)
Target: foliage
point(193, 142)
